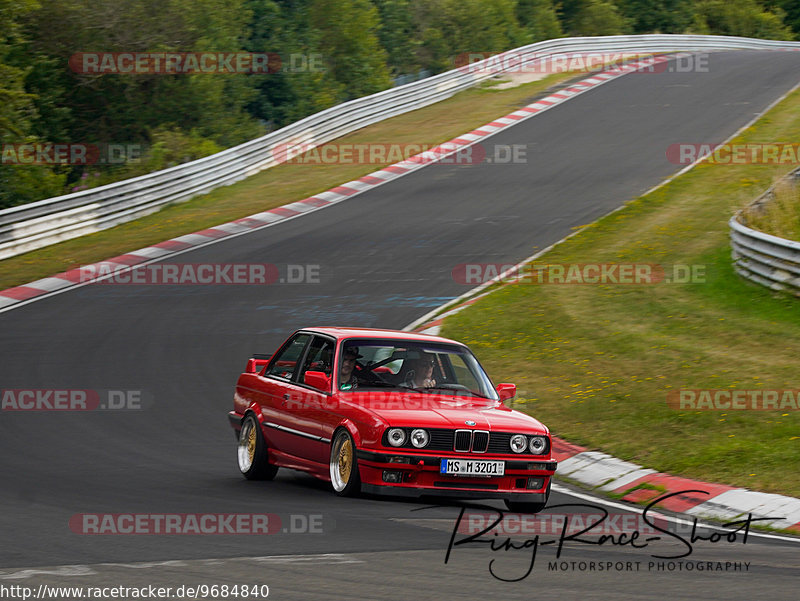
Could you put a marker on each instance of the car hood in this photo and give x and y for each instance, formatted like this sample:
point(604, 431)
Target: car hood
point(431, 410)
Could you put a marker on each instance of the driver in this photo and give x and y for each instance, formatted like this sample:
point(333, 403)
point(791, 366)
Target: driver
point(347, 379)
point(421, 373)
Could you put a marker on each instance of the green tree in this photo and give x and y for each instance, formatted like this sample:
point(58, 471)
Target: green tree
point(19, 183)
point(450, 28)
point(740, 17)
point(15, 102)
point(657, 16)
point(119, 107)
point(398, 35)
point(594, 17)
point(303, 85)
point(346, 33)
point(74, 107)
point(539, 18)
point(791, 8)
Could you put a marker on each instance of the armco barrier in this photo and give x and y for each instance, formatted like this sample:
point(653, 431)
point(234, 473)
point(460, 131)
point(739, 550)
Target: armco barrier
point(38, 224)
point(765, 259)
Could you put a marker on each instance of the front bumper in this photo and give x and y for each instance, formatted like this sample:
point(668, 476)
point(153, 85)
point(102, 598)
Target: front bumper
point(420, 476)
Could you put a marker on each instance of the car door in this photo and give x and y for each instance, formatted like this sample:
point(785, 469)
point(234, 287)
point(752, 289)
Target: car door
point(278, 387)
point(308, 411)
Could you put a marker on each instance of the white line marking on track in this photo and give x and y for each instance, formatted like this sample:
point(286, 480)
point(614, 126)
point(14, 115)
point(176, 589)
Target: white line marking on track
point(324, 558)
point(89, 570)
point(57, 571)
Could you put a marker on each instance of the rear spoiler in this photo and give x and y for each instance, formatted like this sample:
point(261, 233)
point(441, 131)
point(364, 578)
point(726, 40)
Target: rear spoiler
point(257, 363)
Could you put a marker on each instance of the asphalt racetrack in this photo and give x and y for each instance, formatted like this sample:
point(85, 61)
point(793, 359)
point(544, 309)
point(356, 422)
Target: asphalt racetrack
point(385, 257)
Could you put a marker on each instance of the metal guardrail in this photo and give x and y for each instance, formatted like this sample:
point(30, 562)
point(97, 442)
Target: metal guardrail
point(763, 258)
point(35, 225)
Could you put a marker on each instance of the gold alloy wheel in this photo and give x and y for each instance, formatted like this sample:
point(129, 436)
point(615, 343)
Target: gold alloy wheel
point(252, 453)
point(345, 460)
point(246, 449)
point(251, 444)
point(343, 466)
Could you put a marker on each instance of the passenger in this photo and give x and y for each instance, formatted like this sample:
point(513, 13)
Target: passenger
point(421, 373)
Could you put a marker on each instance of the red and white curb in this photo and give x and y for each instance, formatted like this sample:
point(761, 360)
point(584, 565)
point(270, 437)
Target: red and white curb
point(12, 298)
point(639, 485)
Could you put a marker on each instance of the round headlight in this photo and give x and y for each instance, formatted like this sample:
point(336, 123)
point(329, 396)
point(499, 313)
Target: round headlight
point(419, 438)
point(538, 444)
point(518, 443)
point(397, 437)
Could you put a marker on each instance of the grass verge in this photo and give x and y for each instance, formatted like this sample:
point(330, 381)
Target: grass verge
point(595, 362)
point(280, 185)
point(779, 216)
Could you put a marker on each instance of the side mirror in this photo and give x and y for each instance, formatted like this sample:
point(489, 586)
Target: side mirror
point(506, 391)
point(318, 380)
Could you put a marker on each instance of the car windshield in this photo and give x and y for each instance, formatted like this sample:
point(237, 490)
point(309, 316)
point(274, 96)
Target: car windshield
point(411, 364)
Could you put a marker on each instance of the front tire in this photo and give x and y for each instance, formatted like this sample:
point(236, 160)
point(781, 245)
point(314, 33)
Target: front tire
point(526, 507)
point(251, 452)
point(345, 478)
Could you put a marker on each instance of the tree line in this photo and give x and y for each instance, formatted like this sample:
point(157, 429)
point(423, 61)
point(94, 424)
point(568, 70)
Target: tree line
point(327, 52)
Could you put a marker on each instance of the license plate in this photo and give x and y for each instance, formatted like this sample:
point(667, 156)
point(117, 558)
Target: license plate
point(472, 467)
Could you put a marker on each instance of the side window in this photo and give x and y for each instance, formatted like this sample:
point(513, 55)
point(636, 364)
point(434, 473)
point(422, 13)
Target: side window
point(319, 357)
point(285, 362)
